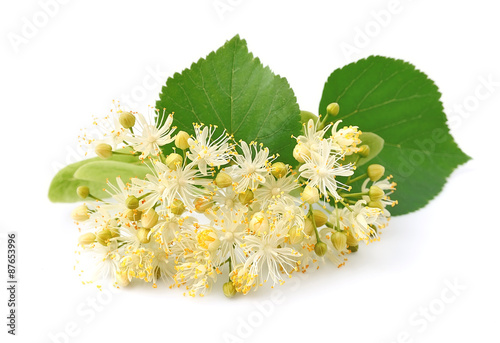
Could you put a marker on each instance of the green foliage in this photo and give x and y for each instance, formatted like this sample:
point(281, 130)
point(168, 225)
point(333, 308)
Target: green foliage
point(93, 173)
point(400, 104)
point(230, 88)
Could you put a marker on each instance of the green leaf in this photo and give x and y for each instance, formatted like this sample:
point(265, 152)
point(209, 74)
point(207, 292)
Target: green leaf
point(400, 104)
point(376, 144)
point(98, 171)
point(93, 173)
point(230, 88)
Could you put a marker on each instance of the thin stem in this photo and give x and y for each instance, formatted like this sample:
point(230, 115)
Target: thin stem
point(357, 178)
point(352, 195)
point(95, 198)
point(318, 240)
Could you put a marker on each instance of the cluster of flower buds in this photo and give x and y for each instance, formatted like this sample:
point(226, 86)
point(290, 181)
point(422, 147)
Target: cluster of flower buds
point(213, 207)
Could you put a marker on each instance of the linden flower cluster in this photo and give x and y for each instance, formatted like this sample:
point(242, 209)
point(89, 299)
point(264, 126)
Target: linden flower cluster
point(215, 208)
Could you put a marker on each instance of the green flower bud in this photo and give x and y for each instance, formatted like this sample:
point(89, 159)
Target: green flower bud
point(177, 207)
point(364, 151)
point(246, 197)
point(86, 238)
point(320, 249)
point(353, 248)
point(352, 242)
point(376, 204)
point(134, 215)
point(83, 191)
point(295, 235)
point(308, 227)
point(115, 232)
point(104, 236)
point(279, 169)
point(339, 240)
point(132, 202)
point(181, 140)
point(320, 218)
point(333, 109)
point(375, 172)
point(229, 289)
point(173, 161)
point(103, 150)
point(127, 120)
point(143, 235)
point(375, 193)
point(149, 218)
point(80, 214)
point(310, 195)
point(223, 180)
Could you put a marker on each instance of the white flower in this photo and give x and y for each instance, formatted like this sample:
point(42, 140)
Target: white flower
point(312, 138)
point(274, 191)
point(322, 168)
point(250, 170)
point(227, 198)
point(268, 259)
point(232, 225)
point(360, 218)
point(151, 138)
point(345, 139)
point(204, 151)
point(120, 193)
point(168, 184)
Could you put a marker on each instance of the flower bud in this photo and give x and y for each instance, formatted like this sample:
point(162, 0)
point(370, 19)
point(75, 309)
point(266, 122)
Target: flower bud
point(339, 240)
point(259, 223)
point(149, 218)
point(86, 238)
point(279, 169)
point(364, 150)
point(246, 197)
point(299, 152)
point(207, 239)
point(177, 207)
point(122, 278)
point(320, 218)
point(223, 180)
point(352, 242)
point(83, 191)
point(80, 214)
point(376, 204)
point(320, 249)
point(132, 202)
point(310, 195)
point(295, 235)
point(354, 248)
point(375, 193)
point(115, 232)
point(104, 236)
point(181, 140)
point(229, 289)
point(143, 235)
point(375, 172)
point(333, 109)
point(173, 161)
point(134, 215)
point(202, 204)
point(308, 227)
point(103, 150)
point(127, 120)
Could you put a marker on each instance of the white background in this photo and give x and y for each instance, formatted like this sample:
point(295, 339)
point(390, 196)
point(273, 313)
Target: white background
point(90, 52)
